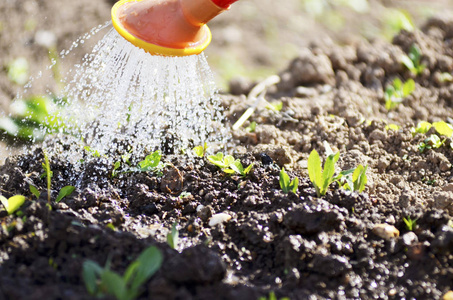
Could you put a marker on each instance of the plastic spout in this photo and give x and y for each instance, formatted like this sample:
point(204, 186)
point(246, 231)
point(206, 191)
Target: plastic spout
point(167, 27)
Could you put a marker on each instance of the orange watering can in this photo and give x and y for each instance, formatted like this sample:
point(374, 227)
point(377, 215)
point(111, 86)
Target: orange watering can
point(167, 27)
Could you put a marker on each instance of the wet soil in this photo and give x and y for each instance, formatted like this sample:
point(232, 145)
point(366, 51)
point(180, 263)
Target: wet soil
point(344, 245)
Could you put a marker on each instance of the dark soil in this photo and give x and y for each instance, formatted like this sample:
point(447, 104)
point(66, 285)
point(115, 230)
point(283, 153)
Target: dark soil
point(298, 245)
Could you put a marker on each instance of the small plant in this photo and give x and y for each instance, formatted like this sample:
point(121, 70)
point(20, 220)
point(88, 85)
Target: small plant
point(396, 92)
point(173, 237)
point(422, 127)
point(65, 191)
point(251, 127)
point(116, 166)
point(93, 152)
point(320, 178)
point(359, 178)
point(275, 106)
point(47, 173)
point(18, 70)
point(285, 183)
point(443, 128)
point(410, 224)
point(200, 151)
point(13, 203)
point(272, 297)
point(412, 60)
point(152, 163)
point(100, 281)
point(228, 164)
point(432, 142)
point(34, 191)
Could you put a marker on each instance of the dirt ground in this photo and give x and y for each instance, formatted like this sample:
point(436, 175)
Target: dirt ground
point(298, 245)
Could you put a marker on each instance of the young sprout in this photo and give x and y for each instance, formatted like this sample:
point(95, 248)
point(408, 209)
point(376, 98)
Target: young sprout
point(412, 60)
point(47, 173)
point(320, 178)
point(100, 281)
point(200, 151)
point(396, 92)
point(65, 191)
point(13, 203)
point(34, 191)
point(173, 237)
point(252, 127)
point(410, 224)
point(422, 127)
point(286, 185)
point(151, 163)
point(228, 164)
point(432, 142)
point(272, 296)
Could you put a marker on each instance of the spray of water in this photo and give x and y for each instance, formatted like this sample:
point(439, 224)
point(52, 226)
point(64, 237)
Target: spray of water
point(122, 99)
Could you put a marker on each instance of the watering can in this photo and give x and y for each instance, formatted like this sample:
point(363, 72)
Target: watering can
point(167, 27)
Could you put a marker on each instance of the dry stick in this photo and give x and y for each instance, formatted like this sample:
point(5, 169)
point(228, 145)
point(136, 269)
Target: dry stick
point(257, 94)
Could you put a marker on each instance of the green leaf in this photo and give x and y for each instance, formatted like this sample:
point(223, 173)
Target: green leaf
point(408, 87)
point(294, 185)
point(199, 151)
point(443, 128)
point(315, 170)
point(237, 167)
point(34, 191)
point(173, 237)
point(284, 181)
point(114, 284)
point(228, 160)
point(13, 203)
point(247, 170)
point(149, 261)
point(18, 71)
point(90, 274)
point(329, 171)
point(408, 63)
point(65, 191)
point(359, 178)
point(397, 84)
point(151, 161)
point(217, 160)
point(423, 127)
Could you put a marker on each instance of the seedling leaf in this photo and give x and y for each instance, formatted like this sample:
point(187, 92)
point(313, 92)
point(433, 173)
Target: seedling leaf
point(149, 261)
point(91, 271)
point(359, 178)
point(13, 203)
point(443, 128)
point(315, 170)
point(150, 162)
point(114, 284)
point(65, 191)
point(173, 237)
point(34, 191)
point(284, 181)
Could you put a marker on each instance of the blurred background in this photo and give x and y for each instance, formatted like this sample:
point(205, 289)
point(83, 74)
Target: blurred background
point(254, 39)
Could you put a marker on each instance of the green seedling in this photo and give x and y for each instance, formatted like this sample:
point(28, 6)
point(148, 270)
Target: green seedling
point(221, 161)
point(65, 191)
point(432, 142)
point(412, 60)
point(393, 127)
point(152, 163)
point(397, 91)
point(18, 71)
point(116, 166)
point(359, 178)
point(32, 118)
point(173, 237)
point(47, 173)
point(286, 185)
point(275, 106)
point(422, 127)
point(93, 152)
point(251, 127)
point(13, 203)
point(410, 224)
point(200, 151)
point(34, 191)
point(228, 164)
point(320, 178)
point(100, 281)
point(443, 128)
point(272, 296)
point(237, 167)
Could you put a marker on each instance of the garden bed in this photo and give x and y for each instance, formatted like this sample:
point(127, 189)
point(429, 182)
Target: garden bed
point(294, 244)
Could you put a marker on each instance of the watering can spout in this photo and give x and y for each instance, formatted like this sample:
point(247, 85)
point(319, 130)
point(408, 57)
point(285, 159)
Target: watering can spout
point(167, 27)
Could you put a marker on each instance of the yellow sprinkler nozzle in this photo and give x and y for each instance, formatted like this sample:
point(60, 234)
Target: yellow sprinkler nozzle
point(167, 27)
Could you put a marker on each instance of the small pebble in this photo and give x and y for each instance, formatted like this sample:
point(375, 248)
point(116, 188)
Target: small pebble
point(448, 296)
point(386, 231)
point(409, 238)
point(219, 218)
